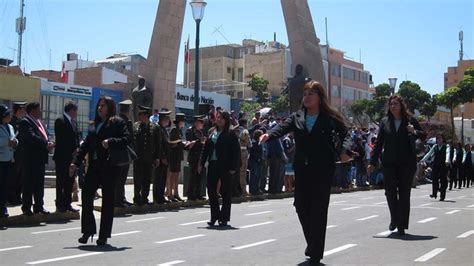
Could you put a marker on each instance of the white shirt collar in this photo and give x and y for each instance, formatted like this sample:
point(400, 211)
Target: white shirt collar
point(68, 117)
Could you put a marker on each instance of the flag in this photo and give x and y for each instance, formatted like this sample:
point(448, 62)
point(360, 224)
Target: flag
point(64, 74)
point(186, 52)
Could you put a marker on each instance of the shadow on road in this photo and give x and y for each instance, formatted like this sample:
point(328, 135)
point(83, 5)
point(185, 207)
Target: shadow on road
point(407, 237)
point(220, 228)
point(308, 262)
point(105, 248)
point(450, 201)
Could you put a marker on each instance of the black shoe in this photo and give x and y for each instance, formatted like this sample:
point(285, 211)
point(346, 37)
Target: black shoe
point(306, 252)
point(4, 213)
point(85, 237)
point(41, 211)
point(392, 226)
point(433, 196)
point(441, 199)
point(61, 210)
point(27, 212)
point(128, 204)
point(222, 223)
point(401, 231)
point(178, 199)
point(174, 200)
point(71, 209)
point(101, 241)
point(211, 222)
point(201, 198)
point(314, 261)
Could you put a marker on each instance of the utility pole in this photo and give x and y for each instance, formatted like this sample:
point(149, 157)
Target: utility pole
point(20, 28)
point(461, 52)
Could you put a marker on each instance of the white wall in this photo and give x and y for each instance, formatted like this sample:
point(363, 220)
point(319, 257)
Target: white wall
point(110, 76)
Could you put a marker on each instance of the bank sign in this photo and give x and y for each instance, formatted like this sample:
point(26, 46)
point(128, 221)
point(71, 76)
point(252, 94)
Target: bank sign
point(185, 98)
point(56, 88)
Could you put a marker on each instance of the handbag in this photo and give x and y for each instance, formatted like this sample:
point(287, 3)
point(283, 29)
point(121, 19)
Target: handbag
point(122, 157)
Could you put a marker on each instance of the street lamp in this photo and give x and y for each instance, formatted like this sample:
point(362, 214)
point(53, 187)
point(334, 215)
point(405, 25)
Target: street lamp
point(393, 84)
point(198, 7)
point(462, 124)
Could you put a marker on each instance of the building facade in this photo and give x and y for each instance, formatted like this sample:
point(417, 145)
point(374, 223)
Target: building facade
point(452, 77)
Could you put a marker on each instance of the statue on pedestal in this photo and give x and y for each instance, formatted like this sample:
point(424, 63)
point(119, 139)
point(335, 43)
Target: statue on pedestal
point(141, 96)
point(295, 87)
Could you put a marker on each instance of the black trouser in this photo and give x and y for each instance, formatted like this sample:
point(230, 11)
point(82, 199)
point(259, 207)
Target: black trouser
point(120, 184)
point(159, 183)
point(263, 179)
point(5, 168)
point(312, 192)
point(141, 181)
point(440, 175)
point(213, 176)
point(15, 183)
point(194, 188)
point(467, 172)
point(99, 174)
point(33, 185)
point(64, 185)
point(454, 176)
point(275, 182)
point(397, 182)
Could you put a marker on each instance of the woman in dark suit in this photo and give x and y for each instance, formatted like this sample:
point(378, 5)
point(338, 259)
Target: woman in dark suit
point(222, 151)
point(320, 136)
point(398, 132)
point(108, 131)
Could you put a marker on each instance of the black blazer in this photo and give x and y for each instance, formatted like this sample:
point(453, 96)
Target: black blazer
point(67, 140)
point(34, 145)
point(115, 130)
point(398, 147)
point(314, 149)
point(227, 150)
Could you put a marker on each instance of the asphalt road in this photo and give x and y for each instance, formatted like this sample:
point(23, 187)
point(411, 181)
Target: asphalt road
point(263, 233)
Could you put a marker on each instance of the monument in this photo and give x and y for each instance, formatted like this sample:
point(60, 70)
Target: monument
point(141, 96)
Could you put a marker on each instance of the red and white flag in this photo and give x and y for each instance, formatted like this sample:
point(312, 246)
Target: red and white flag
point(187, 56)
point(64, 74)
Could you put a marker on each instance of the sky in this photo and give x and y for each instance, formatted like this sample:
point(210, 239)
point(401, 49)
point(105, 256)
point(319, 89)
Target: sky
point(408, 39)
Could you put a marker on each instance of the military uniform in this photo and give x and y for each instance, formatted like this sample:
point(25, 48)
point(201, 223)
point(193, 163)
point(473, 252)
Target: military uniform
point(194, 153)
point(146, 139)
point(15, 180)
point(245, 145)
point(161, 172)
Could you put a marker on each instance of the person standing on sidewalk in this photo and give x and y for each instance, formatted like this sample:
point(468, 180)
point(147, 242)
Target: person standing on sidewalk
point(398, 132)
point(321, 139)
point(440, 152)
point(467, 164)
point(176, 157)
point(161, 170)
point(245, 145)
point(36, 146)
point(67, 142)
point(222, 151)
point(8, 142)
point(195, 138)
point(108, 132)
point(15, 180)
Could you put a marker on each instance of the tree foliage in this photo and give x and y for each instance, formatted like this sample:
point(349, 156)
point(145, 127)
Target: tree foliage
point(260, 86)
point(429, 108)
point(413, 95)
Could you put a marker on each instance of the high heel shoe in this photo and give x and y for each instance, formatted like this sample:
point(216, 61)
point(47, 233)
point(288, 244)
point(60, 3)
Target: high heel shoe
point(101, 242)
point(433, 196)
point(178, 198)
point(85, 237)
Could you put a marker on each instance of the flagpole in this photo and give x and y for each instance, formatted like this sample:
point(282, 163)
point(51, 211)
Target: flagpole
point(188, 60)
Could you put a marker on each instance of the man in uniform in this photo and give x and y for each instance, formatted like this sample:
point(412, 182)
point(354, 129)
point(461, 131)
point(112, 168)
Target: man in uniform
point(195, 138)
point(15, 178)
point(161, 170)
point(120, 200)
point(245, 145)
point(146, 139)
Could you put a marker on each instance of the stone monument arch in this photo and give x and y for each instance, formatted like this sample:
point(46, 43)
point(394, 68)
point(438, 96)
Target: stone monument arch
point(162, 61)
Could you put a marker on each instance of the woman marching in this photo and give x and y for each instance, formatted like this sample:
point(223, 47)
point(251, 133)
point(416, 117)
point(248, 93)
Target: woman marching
point(319, 131)
point(440, 153)
point(108, 132)
point(222, 151)
point(398, 132)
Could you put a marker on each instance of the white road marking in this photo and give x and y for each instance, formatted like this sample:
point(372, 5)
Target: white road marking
point(470, 206)
point(53, 231)
point(351, 208)
point(378, 203)
point(430, 254)
point(468, 233)
point(14, 248)
point(342, 201)
point(339, 249)
point(461, 197)
point(257, 213)
point(254, 225)
point(331, 226)
point(203, 212)
point(259, 205)
point(126, 233)
point(254, 244)
point(171, 263)
point(367, 218)
point(198, 222)
point(385, 233)
point(143, 220)
point(178, 239)
point(451, 212)
point(426, 204)
point(65, 258)
point(368, 198)
point(427, 220)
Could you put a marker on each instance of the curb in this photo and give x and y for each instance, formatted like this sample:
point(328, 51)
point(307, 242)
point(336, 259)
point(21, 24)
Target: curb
point(23, 220)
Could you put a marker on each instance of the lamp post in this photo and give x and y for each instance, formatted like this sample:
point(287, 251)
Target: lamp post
point(198, 7)
point(393, 84)
point(462, 124)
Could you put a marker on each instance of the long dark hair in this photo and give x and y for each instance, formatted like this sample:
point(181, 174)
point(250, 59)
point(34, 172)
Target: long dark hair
point(403, 108)
point(226, 116)
point(111, 109)
point(323, 100)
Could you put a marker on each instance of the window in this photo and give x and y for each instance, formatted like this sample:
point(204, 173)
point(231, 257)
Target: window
point(230, 52)
point(336, 70)
point(349, 73)
point(229, 70)
point(364, 77)
point(472, 124)
point(233, 74)
point(240, 75)
point(348, 94)
point(336, 91)
point(240, 95)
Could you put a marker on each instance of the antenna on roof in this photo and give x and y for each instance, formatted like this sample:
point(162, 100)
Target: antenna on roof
point(218, 30)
